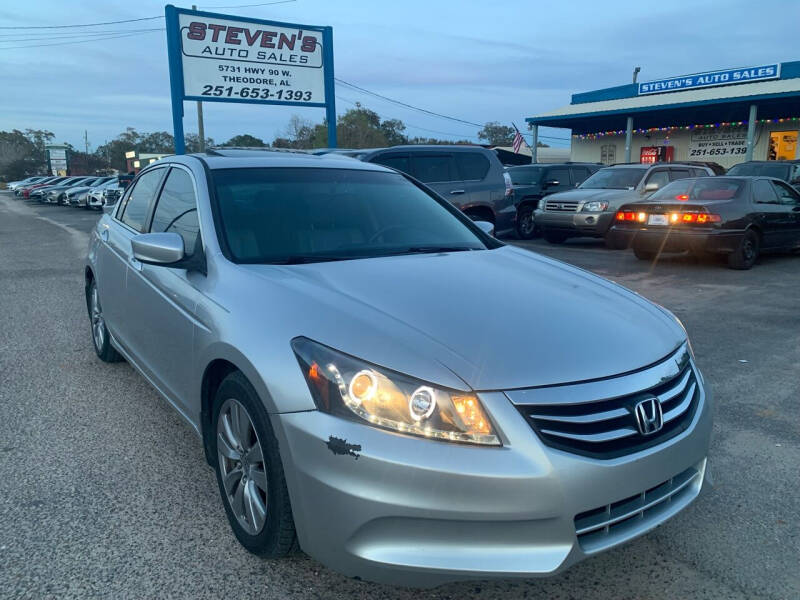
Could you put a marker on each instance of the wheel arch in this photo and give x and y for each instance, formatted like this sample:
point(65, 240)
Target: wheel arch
point(226, 360)
point(529, 200)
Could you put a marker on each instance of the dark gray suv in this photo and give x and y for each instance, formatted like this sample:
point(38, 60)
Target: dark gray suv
point(470, 177)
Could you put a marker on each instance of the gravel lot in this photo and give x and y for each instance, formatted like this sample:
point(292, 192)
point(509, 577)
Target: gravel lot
point(104, 491)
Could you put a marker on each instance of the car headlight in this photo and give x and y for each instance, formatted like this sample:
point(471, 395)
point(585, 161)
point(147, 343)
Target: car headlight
point(360, 391)
point(594, 207)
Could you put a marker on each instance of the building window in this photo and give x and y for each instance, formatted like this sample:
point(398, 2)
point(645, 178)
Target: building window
point(608, 154)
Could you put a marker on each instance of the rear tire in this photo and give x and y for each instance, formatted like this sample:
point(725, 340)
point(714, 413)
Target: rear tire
point(746, 254)
point(526, 226)
point(249, 470)
point(100, 336)
point(554, 238)
point(644, 254)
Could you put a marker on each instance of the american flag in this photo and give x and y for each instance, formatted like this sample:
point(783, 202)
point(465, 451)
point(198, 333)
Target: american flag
point(518, 141)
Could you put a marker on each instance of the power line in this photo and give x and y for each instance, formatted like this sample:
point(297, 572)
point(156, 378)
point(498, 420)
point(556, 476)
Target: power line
point(48, 36)
point(96, 39)
point(85, 24)
point(251, 5)
point(461, 135)
point(423, 110)
point(398, 102)
point(133, 20)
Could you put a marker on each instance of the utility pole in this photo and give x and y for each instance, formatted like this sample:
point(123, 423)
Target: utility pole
point(200, 129)
point(86, 140)
point(636, 73)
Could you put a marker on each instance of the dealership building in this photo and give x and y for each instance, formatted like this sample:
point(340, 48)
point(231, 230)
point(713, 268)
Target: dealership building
point(725, 116)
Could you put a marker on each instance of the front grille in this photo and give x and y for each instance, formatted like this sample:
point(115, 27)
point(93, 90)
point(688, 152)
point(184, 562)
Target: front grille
point(607, 427)
point(608, 525)
point(557, 206)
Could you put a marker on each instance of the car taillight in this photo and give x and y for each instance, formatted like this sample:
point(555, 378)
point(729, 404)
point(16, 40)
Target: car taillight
point(699, 218)
point(629, 215)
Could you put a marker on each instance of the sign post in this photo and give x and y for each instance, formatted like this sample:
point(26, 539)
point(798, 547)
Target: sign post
point(223, 58)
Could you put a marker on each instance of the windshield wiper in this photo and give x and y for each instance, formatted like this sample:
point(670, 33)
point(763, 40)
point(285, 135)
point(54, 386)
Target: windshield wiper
point(432, 249)
point(302, 259)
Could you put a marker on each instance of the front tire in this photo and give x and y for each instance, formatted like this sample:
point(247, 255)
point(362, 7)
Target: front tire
point(746, 254)
point(100, 336)
point(526, 226)
point(249, 470)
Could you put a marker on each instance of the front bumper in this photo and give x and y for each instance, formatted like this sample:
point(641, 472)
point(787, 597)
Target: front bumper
point(673, 239)
point(575, 224)
point(409, 511)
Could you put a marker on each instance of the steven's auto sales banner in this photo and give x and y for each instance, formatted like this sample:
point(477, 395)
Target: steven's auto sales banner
point(250, 61)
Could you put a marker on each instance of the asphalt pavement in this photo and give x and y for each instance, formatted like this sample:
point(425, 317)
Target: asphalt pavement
point(104, 490)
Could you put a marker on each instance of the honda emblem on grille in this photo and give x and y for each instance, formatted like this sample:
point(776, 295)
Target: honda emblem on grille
point(649, 417)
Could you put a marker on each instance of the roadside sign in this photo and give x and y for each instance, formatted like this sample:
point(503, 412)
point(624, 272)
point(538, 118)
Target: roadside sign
point(225, 58)
point(57, 157)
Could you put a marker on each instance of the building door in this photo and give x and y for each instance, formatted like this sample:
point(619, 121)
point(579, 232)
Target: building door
point(782, 145)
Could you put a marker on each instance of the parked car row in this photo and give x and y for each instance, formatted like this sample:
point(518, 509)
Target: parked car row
point(591, 207)
point(91, 192)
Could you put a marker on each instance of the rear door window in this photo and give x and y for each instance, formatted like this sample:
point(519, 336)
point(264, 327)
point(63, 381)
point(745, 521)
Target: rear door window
point(675, 174)
point(559, 174)
point(472, 166)
point(395, 161)
point(764, 193)
point(137, 205)
point(433, 168)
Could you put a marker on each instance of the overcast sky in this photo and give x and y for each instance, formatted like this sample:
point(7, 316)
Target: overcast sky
point(472, 59)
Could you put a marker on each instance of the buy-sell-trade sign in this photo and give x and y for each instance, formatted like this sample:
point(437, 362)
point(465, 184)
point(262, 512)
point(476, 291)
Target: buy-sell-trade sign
point(223, 58)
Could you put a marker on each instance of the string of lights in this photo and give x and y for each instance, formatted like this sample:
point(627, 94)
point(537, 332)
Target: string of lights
point(671, 128)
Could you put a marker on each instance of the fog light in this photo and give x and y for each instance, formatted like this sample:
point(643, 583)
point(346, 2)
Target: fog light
point(422, 403)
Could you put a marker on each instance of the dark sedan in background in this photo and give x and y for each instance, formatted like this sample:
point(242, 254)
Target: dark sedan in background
point(734, 216)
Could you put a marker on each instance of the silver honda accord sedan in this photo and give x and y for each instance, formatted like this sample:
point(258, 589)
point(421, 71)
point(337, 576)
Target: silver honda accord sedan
point(378, 380)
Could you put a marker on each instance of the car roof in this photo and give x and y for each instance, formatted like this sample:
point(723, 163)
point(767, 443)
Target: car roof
point(429, 148)
point(247, 159)
point(768, 162)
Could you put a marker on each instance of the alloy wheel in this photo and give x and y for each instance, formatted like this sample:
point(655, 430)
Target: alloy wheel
point(98, 323)
point(242, 466)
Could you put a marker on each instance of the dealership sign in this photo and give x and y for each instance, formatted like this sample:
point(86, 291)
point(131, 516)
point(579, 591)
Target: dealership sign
point(223, 58)
point(57, 155)
point(719, 143)
point(712, 78)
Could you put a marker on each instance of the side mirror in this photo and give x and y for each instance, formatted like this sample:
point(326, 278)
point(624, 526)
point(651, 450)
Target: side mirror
point(485, 227)
point(158, 248)
point(651, 187)
point(551, 182)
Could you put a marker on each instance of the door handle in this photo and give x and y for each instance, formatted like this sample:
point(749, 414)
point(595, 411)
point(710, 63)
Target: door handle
point(456, 192)
point(135, 263)
point(104, 235)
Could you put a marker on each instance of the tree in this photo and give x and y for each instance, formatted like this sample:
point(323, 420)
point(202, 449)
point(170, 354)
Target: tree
point(360, 128)
point(497, 135)
point(192, 141)
point(246, 140)
point(22, 153)
point(393, 132)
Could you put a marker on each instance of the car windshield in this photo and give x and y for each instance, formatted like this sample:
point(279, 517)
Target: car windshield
point(525, 175)
point(777, 170)
point(705, 188)
point(614, 179)
point(293, 215)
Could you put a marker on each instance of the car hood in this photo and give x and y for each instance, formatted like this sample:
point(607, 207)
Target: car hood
point(497, 319)
point(613, 197)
